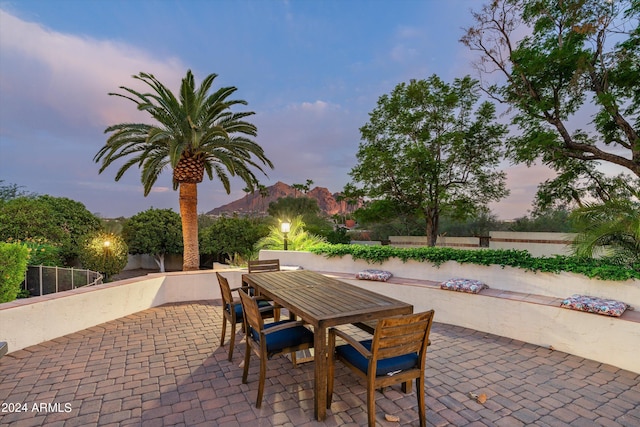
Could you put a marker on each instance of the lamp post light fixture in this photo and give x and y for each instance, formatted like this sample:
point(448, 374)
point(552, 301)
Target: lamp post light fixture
point(106, 246)
point(285, 227)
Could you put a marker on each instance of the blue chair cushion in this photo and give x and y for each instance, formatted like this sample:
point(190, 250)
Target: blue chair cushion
point(238, 308)
point(276, 341)
point(384, 367)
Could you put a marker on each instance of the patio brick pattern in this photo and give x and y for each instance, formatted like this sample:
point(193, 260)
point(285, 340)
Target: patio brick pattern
point(164, 367)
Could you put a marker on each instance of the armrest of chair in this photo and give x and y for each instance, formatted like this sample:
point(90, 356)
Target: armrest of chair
point(269, 308)
point(241, 287)
point(350, 340)
point(282, 326)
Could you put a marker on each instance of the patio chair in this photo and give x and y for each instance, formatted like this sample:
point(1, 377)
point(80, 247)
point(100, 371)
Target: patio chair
point(233, 313)
point(286, 336)
point(265, 266)
point(396, 354)
point(262, 266)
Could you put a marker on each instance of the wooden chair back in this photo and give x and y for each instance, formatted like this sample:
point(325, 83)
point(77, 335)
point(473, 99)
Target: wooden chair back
point(252, 316)
point(265, 265)
point(228, 312)
point(397, 336)
point(225, 291)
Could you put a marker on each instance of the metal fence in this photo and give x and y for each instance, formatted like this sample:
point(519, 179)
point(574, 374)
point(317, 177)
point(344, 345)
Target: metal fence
point(43, 280)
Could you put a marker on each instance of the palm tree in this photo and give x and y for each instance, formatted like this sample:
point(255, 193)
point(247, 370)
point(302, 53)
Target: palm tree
point(194, 134)
point(611, 228)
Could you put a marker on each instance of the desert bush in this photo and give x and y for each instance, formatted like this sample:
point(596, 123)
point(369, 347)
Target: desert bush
point(13, 265)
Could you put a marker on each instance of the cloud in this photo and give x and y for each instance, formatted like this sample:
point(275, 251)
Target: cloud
point(54, 108)
point(406, 32)
point(313, 107)
point(403, 53)
point(72, 75)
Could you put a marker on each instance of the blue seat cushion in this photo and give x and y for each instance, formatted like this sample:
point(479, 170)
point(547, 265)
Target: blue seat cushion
point(238, 309)
point(384, 367)
point(279, 340)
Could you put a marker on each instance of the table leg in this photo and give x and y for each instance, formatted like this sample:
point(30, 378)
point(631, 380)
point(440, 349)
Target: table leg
point(320, 362)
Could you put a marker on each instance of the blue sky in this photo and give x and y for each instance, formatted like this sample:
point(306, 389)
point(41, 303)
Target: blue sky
point(311, 70)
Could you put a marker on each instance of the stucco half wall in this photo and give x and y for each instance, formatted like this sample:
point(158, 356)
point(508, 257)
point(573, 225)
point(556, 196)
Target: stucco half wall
point(30, 321)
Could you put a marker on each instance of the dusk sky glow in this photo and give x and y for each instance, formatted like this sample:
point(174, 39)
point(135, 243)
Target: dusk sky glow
point(311, 70)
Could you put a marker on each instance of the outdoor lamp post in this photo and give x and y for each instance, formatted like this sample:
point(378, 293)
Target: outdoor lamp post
point(106, 246)
point(285, 227)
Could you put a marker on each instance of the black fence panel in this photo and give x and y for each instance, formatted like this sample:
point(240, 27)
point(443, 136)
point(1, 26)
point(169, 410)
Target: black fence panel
point(43, 280)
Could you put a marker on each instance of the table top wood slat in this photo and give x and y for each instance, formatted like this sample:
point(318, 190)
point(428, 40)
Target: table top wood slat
point(320, 299)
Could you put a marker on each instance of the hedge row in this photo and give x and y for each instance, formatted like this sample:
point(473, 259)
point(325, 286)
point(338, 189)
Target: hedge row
point(591, 268)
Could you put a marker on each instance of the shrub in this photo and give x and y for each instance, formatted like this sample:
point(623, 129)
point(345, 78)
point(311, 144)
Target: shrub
point(104, 252)
point(298, 239)
point(231, 236)
point(13, 265)
point(41, 252)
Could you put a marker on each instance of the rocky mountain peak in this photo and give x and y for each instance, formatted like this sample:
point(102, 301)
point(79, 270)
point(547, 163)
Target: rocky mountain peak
point(257, 204)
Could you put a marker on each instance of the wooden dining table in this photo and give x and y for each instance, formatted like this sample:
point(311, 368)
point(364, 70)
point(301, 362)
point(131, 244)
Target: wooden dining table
point(323, 302)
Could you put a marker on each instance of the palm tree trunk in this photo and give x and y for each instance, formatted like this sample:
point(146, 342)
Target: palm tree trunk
point(189, 214)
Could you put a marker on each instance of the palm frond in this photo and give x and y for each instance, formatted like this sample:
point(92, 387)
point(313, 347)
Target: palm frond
point(610, 229)
point(199, 124)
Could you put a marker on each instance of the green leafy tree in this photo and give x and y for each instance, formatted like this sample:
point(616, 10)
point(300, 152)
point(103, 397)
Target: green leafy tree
point(231, 236)
point(156, 232)
point(306, 186)
point(384, 218)
point(550, 220)
point(42, 252)
point(478, 225)
point(298, 239)
point(303, 188)
point(13, 266)
point(58, 220)
point(205, 221)
point(264, 193)
point(113, 225)
point(195, 133)
point(352, 196)
point(610, 229)
point(339, 235)
point(579, 59)
point(426, 149)
point(289, 207)
point(12, 191)
point(104, 252)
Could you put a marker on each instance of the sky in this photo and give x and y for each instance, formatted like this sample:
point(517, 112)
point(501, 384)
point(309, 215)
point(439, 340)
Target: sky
point(312, 71)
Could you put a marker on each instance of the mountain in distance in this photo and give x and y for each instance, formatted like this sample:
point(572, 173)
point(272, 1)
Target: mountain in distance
point(254, 203)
